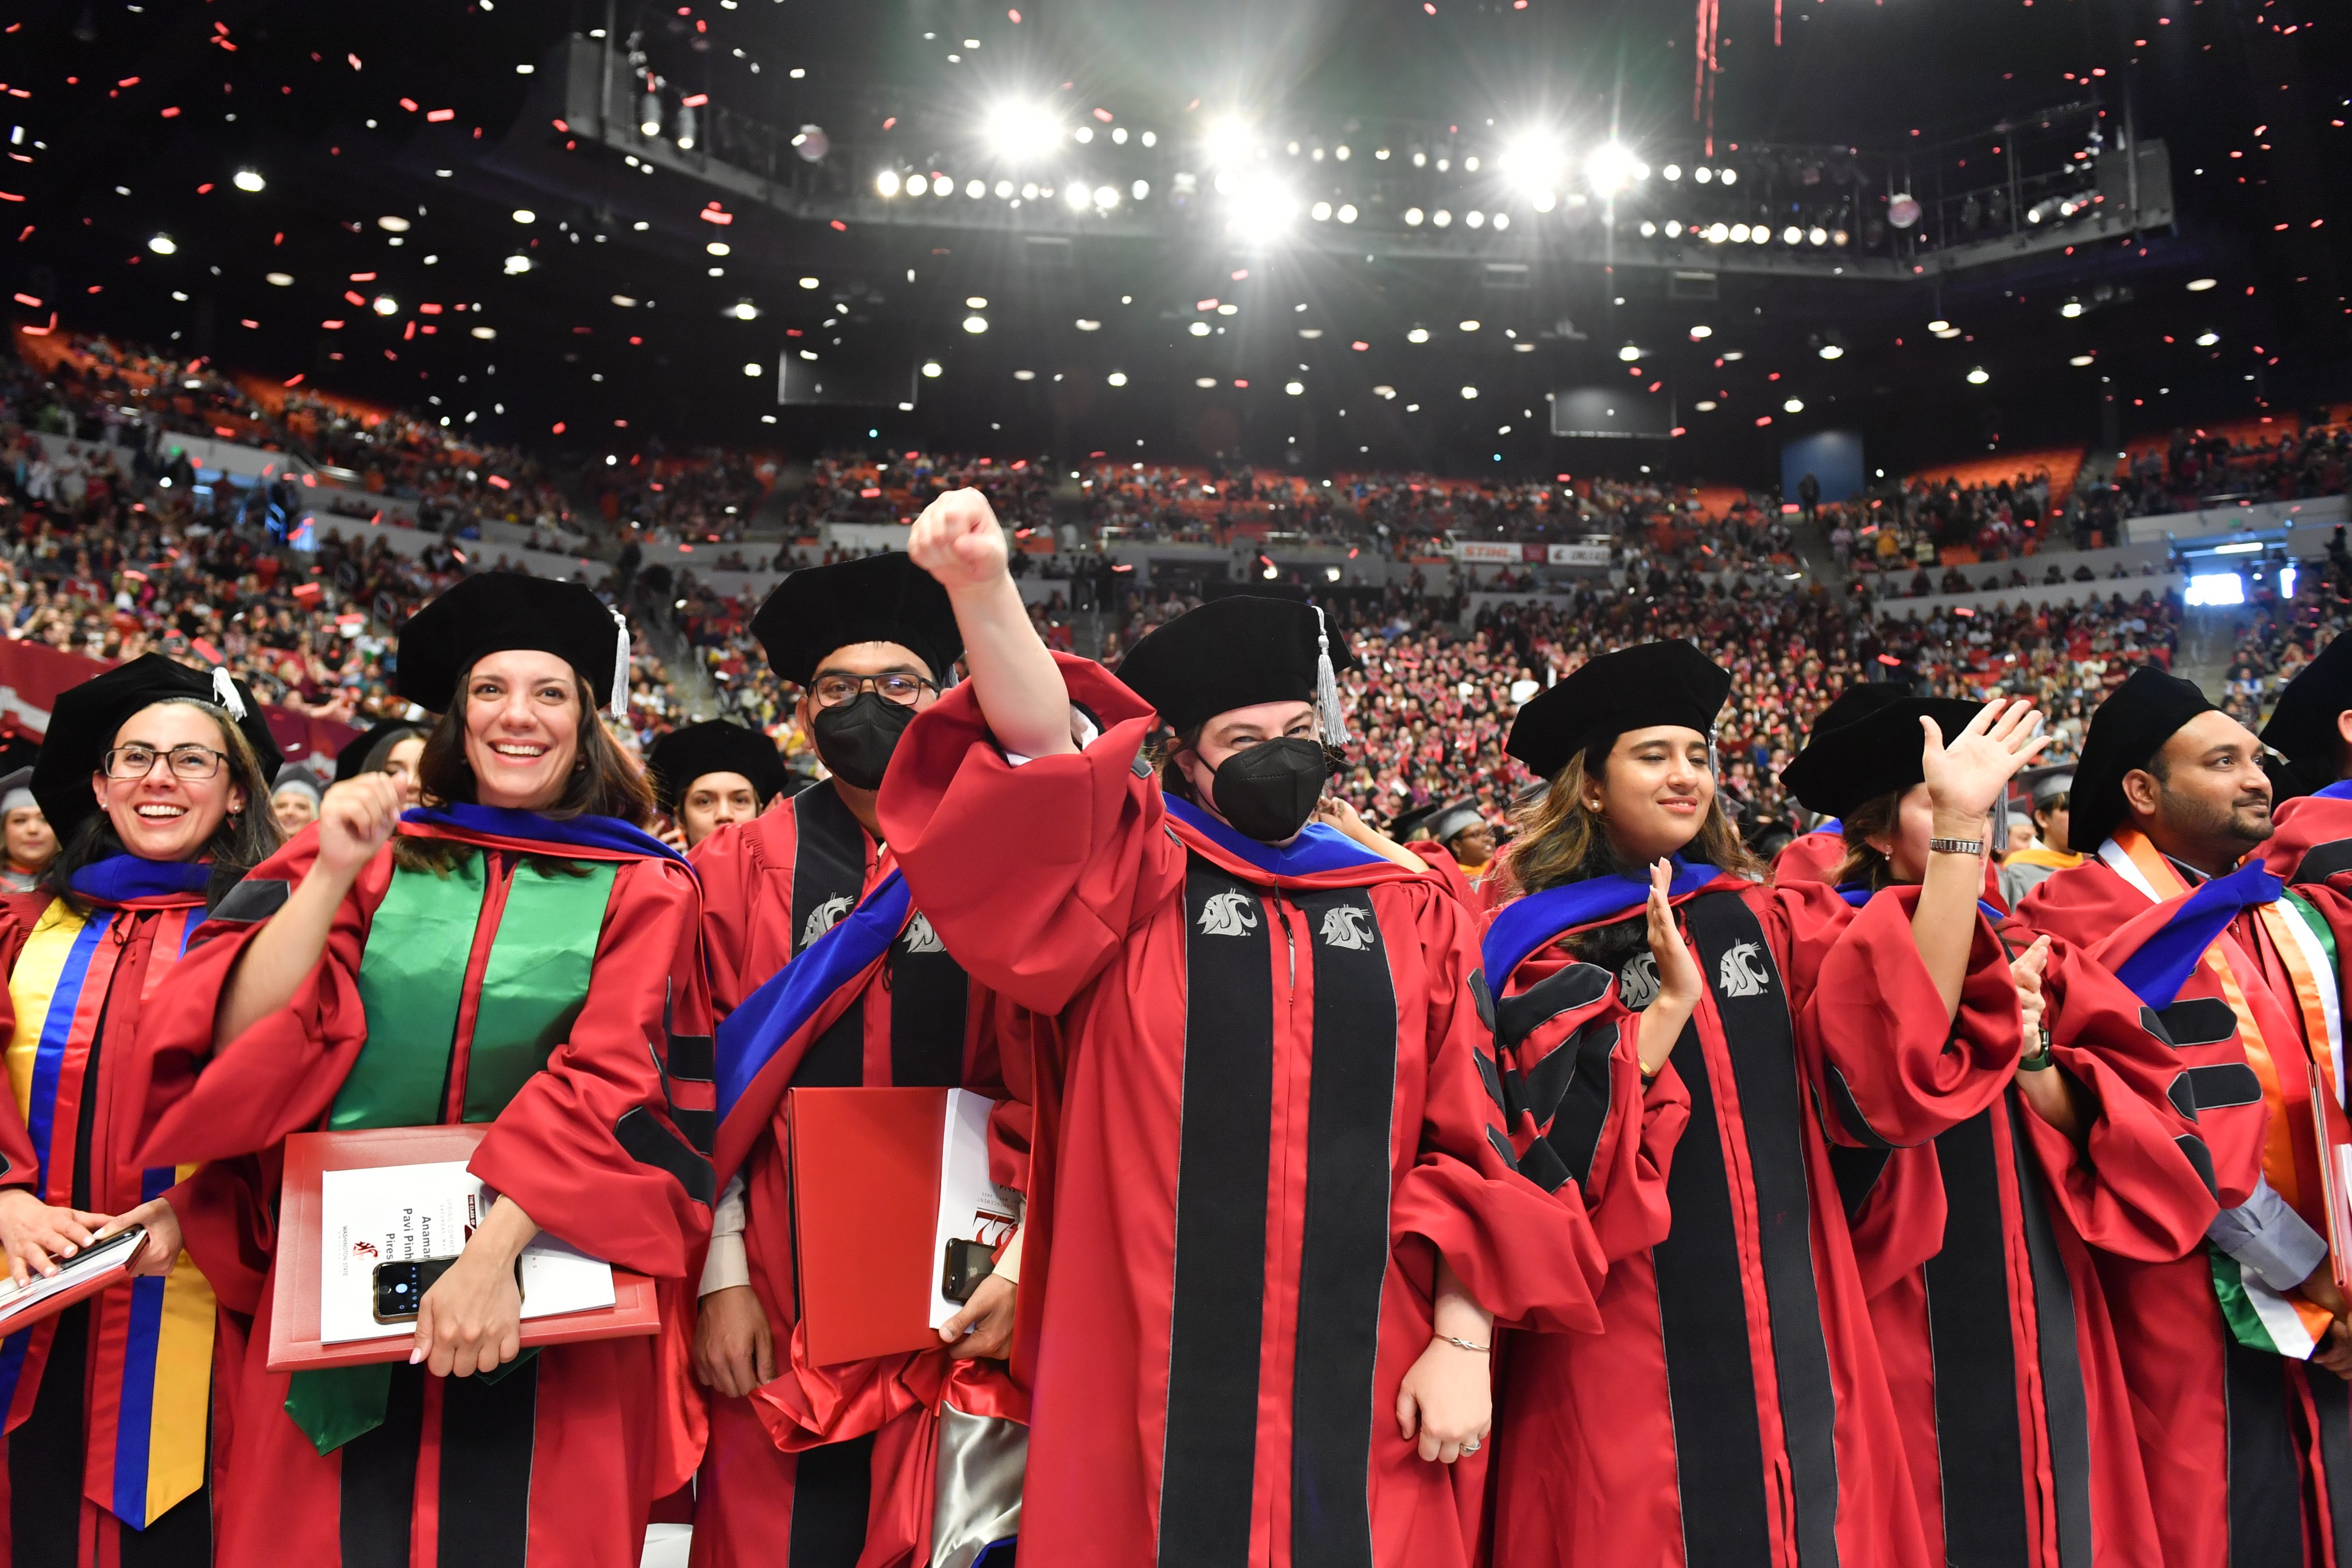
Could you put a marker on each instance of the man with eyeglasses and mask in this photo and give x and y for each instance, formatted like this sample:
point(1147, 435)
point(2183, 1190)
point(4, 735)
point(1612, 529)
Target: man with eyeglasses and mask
point(838, 1462)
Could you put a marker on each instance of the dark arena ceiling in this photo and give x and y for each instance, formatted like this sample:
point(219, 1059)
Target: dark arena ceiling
point(1137, 227)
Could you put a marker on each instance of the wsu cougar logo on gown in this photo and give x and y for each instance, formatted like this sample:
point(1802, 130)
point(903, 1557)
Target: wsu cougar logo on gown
point(1740, 974)
point(1228, 914)
point(823, 917)
point(921, 938)
point(1637, 982)
point(1346, 926)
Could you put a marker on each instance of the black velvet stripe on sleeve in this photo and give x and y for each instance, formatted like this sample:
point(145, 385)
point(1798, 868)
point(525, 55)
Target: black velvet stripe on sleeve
point(1580, 1112)
point(1856, 1173)
point(2323, 861)
point(1344, 1253)
point(650, 1141)
point(2223, 1084)
point(1857, 1125)
point(1562, 990)
point(252, 901)
point(1218, 1311)
point(2200, 1020)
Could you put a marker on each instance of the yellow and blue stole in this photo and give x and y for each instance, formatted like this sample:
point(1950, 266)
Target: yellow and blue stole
point(146, 1428)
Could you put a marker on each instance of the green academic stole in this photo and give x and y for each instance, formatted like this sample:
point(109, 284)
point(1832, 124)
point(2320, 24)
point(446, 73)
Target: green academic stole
point(412, 982)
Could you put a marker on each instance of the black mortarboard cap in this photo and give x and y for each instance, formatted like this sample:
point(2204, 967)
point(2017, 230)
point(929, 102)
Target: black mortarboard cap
point(365, 752)
point(1632, 688)
point(83, 723)
point(1873, 749)
point(873, 598)
point(2126, 730)
point(1232, 653)
point(2303, 726)
point(499, 612)
point(683, 755)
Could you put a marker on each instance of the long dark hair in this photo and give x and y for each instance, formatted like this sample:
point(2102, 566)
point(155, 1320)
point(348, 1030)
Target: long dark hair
point(603, 782)
point(243, 841)
point(1875, 818)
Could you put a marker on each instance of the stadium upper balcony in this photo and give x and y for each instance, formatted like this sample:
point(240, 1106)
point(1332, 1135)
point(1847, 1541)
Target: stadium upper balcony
point(1507, 197)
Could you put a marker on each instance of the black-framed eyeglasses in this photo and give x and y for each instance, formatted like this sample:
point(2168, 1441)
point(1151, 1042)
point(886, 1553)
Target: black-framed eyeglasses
point(189, 762)
point(831, 691)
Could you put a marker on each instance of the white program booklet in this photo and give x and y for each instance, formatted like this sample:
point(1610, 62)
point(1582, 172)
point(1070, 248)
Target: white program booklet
point(971, 1207)
point(399, 1214)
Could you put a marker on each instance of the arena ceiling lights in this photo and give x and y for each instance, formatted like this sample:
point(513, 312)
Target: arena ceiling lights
point(1021, 130)
point(1259, 207)
point(1535, 163)
point(1611, 166)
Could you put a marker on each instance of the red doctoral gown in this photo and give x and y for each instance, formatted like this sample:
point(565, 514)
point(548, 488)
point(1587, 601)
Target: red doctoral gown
point(117, 1415)
point(559, 1459)
point(836, 1466)
point(2248, 1452)
point(1264, 1110)
point(1978, 1250)
point(1734, 1410)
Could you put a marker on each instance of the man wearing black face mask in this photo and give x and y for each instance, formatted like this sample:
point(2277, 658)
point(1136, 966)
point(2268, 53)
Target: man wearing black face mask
point(1283, 1204)
point(869, 643)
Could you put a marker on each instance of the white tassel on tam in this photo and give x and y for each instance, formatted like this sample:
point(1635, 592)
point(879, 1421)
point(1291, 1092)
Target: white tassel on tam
point(225, 694)
point(1327, 686)
point(619, 705)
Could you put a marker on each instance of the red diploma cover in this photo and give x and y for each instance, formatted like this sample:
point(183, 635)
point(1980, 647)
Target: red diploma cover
point(866, 1204)
point(294, 1344)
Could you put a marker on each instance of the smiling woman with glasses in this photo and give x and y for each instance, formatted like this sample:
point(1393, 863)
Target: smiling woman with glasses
point(156, 787)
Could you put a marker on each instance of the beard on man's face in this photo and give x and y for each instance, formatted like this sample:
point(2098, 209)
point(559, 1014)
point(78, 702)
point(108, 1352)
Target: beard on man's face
point(2244, 818)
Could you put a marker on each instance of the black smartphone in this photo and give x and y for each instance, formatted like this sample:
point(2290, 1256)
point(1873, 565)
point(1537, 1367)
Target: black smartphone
point(399, 1287)
point(966, 1265)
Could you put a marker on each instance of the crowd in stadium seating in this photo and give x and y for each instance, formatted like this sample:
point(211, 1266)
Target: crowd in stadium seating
point(112, 548)
point(2249, 463)
point(894, 486)
point(707, 496)
point(109, 547)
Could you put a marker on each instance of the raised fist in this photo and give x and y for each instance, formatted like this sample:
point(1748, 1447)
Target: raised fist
point(958, 540)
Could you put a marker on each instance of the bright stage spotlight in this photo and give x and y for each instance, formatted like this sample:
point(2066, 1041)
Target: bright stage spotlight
point(1228, 140)
point(1535, 163)
point(1609, 168)
point(1020, 130)
point(1260, 208)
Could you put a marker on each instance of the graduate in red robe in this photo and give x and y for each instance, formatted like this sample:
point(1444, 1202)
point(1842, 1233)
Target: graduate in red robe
point(1977, 1248)
point(2235, 1355)
point(113, 1405)
point(1733, 1410)
point(837, 1467)
point(517, 952)
point(1275, 1210)
point(707, 775)
point(2311, 841)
